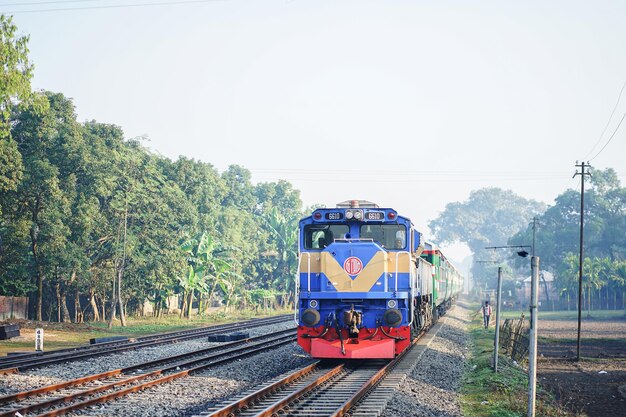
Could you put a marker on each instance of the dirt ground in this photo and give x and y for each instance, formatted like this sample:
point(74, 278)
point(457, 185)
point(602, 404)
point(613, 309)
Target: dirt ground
point(595, 386)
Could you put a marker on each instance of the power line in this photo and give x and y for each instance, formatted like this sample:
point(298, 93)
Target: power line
point(113, 6)
point(609, 141)
point(330, 179)
point(48, 2)
point(405, 172)
point(608, 121)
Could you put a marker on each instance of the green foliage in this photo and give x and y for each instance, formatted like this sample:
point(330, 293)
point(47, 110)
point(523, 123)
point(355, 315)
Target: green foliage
point(557, 238)
point(15, 74)
point(488, 218)
point(605, 222)
point(93, 207)
point(502, 394)
point(85, 211)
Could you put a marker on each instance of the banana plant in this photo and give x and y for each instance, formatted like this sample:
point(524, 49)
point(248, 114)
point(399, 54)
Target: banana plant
point(285, 232)
point(206, 259)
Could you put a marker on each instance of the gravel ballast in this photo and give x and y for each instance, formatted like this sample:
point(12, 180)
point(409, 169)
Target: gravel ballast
point(432, 388)
point(52, 374)
point(200, 391)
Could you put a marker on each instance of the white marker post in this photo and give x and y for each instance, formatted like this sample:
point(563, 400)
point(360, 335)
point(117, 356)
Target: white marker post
point(39, 340)
point(532, 339)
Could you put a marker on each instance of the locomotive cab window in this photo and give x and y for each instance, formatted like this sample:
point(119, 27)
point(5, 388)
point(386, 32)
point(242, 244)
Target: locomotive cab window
point(320, 236)
point(390, 236)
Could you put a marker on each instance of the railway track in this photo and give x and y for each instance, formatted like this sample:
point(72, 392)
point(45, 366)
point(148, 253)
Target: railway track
point(62, 398)
point(359, 388)
point(317, 390)
point(12, 364)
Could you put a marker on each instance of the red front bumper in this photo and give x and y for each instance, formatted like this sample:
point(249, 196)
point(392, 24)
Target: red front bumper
point(364, 347)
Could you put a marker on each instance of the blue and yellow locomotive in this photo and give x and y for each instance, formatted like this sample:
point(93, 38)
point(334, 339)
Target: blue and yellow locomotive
point(366, 284)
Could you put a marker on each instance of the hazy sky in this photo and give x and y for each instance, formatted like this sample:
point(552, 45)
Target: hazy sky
point(410, 104)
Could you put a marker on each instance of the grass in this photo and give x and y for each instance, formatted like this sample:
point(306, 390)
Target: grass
point(66, 335)
point(502, 394)
point(567, 315)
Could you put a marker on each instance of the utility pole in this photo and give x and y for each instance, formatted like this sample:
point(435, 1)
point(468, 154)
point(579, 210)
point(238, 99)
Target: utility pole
point(496, 340)
point(535, 220)
point(532, 342)
point(582, 174)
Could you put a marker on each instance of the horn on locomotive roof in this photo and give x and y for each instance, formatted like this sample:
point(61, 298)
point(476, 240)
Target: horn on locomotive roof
point(357, 204)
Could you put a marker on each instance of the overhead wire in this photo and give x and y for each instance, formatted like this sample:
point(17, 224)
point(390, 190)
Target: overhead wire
point(607, 123)
point(35, 3)
point(356, 176)
point(112, 6)
point(611, 138)
point(404, 172)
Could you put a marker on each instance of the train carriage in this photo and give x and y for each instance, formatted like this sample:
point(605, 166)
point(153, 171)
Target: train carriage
point(365, 284)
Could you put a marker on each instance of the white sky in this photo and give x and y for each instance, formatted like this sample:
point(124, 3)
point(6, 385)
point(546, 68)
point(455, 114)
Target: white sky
point(410, 104)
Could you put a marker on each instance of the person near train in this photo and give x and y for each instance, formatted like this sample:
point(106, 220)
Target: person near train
point(486, 314)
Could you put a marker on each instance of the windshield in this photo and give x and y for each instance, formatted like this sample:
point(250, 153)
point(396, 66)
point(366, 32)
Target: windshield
point(318, 236)
point(390, 236)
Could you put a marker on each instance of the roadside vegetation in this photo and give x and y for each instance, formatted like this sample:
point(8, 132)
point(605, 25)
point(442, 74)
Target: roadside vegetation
point(96, 227)
point(502, 394)
point(492, 217)
point(568, 315)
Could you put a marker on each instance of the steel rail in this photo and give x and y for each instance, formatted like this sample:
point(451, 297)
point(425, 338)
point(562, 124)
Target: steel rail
point(233, 407)
point(329, 400)
point(20, 363)
point(236, 407)
point(280, 404)
point(313, 390)
point(80, 381)
point(157, 336)
point(237, 352)
point(365, 388)
point(168, 336)
point(160, 380)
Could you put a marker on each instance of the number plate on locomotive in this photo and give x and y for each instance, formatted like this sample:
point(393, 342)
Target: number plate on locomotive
point(374, 215)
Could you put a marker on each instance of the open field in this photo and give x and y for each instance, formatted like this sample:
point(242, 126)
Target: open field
point(595, 386)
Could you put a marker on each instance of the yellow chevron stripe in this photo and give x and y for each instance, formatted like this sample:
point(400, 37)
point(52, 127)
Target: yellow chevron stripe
point(366, 279)
point(382, 263)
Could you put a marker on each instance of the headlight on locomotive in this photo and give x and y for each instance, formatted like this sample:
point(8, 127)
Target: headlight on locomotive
point(392, 317)
point(310, 317)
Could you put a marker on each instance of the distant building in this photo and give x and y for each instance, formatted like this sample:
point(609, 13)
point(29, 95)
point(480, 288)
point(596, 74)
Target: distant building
point(547, 292)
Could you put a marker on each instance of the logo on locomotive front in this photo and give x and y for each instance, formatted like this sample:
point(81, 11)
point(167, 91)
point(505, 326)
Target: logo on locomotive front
point(353, 265)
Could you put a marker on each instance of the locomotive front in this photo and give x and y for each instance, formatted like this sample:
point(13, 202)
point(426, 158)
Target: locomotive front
point(356, 278)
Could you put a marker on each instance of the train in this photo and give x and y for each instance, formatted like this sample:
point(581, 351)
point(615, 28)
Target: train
point(367, 283)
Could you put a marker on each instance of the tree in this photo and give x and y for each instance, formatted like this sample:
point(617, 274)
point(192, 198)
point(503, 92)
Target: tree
point(42, 133)
point(283, 238)
point(618, 279)
point(240, 192)
point(488, 218)
point(203, 187)
point(84, 211)
point(280, 195)
point(559, 226)
point(15, 74)
point(208, 263)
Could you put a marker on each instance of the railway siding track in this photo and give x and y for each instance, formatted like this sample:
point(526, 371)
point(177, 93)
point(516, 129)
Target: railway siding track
point(86, 391)
point(10, 364)
point(360, 388)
